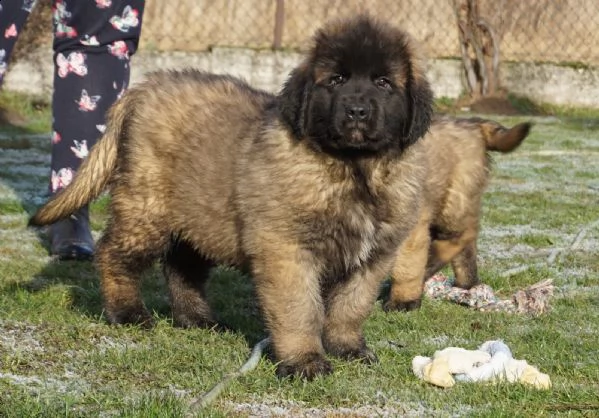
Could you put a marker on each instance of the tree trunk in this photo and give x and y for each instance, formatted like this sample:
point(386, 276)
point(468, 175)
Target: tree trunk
point(479, 47)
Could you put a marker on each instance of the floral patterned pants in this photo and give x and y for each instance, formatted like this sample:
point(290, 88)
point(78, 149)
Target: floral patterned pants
point(93, 43)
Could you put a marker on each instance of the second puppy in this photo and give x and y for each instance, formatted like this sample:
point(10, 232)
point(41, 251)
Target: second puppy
point(459, 162)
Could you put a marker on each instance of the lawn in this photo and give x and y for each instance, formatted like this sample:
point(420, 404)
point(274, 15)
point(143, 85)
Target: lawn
point(59, 357)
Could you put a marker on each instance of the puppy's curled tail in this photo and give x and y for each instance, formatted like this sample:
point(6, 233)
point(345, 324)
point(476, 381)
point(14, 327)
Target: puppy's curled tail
point(93, 174)
point(502, 139)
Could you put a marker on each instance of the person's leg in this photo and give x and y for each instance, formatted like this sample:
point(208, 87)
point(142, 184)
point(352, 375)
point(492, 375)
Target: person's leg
point(13, 15)
point(93, 42)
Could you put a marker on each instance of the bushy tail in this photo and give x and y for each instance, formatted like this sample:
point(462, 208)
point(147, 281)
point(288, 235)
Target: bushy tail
point(502, 139)
point(93, 175)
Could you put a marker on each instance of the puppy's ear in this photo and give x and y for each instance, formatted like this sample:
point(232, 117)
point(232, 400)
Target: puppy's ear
point(419, 93)
point(292, 100)
point(421, 110)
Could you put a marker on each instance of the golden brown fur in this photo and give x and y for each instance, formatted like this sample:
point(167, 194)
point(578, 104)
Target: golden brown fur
point(457, 151)
point(314, 190)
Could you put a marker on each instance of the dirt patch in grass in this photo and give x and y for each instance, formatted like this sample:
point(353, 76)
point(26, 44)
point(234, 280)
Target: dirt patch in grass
point(495, 106)
point(502, 103)
point(9, 117)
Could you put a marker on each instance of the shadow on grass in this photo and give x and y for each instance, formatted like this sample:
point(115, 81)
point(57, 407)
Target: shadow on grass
point(229, 293)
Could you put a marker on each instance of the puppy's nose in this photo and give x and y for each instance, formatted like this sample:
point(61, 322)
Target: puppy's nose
point(357, 112)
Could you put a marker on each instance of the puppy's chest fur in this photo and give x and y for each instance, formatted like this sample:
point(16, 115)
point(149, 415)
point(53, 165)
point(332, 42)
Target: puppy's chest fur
point(348, 214)
point(353, 219)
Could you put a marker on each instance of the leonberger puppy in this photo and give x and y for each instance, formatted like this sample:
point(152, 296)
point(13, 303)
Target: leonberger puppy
point(459, 161)
point(313, 191)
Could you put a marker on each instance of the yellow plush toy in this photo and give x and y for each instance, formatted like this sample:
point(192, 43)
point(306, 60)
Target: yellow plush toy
point(492, 362)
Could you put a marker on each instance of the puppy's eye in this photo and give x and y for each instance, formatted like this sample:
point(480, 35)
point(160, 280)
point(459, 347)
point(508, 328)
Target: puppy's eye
point(383, 83)
point(335, 80)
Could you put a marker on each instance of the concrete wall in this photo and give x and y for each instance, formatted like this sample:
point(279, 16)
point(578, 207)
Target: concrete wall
point(552, 84)
point(268, 70)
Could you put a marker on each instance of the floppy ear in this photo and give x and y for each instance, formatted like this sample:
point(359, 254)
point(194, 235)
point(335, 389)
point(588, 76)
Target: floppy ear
point(292, 99)
point(419, 92)
point(421, 109)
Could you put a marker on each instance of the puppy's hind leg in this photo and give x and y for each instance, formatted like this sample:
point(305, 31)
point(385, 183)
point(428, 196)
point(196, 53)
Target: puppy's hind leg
point(444, 250)
point(127, 248)
point(465, 267)
point(186, 272)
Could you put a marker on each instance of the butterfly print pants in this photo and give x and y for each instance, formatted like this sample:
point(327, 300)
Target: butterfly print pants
point(93, 43)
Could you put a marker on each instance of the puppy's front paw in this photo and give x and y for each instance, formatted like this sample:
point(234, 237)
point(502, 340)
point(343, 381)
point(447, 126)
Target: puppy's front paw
point(132, 316)
point(468, 284)
point(193, 320)
point(403, 306)
point(363, 354)
point(306, 367)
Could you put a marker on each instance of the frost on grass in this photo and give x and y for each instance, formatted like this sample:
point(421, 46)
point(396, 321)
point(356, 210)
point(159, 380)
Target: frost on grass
point(24, 242)
point(19, 340)
point(25, 163)
point(504, 243)
point(12, 218)
point(17, 337)
point(388, 408)
point(572, 290)
point(104, 344)
point(23, 190)
point(68, 383)
point(493, 245)
point(24, 174)
point(437, 340)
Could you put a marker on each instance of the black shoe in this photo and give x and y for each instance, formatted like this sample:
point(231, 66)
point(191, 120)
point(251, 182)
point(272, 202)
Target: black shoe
point(71, 238)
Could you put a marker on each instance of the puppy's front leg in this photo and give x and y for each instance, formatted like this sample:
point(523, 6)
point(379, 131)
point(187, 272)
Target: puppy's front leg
point(287, 283)
point(348, 304)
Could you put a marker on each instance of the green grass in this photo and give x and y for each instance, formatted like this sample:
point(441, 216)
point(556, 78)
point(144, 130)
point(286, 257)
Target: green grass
point(59, 357)
point(33, 113)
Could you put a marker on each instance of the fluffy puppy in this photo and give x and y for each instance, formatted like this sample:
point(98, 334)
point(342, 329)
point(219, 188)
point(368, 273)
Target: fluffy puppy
point(458, 154)
point(313, 191)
